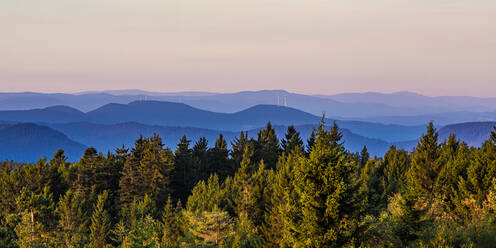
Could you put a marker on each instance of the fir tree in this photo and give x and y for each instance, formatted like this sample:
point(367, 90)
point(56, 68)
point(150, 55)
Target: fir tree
point(327, 193)
point(210, 227)
point(171, 225)
point(311, 140)
point(284, 206)
point(396, 165)
point(292, 140)
point(219, 162)
point(73, 224)
point(100, 223)
point(200, 157)
point(183, 180)
point(267, 147)
point(239, 145)
point(425, 167)
point(364, 156)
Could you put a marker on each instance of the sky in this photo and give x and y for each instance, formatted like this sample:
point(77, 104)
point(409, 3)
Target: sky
point(433, 47)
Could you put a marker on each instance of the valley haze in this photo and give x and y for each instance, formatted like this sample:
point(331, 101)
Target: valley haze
point(107, 120)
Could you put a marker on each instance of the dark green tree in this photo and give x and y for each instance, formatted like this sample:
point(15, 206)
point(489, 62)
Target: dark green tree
point(219, 161)
point(184, 175)
point(364, 156)
point(239, 145)
point(267, 147)
point(425, 167)
point(292, 140)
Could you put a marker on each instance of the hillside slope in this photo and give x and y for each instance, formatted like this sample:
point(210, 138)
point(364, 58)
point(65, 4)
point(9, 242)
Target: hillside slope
point(28, 142)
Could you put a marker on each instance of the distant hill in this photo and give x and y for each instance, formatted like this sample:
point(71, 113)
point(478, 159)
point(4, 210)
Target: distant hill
point(405, 99)
point(403, 108)
point(49, 114)
point(28, 142)
point(179, 114)
point(227, 102)
point(439, 119)
point(473, 133)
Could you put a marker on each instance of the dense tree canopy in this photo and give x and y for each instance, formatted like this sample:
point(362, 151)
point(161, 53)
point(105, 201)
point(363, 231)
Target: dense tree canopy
point(255, 192)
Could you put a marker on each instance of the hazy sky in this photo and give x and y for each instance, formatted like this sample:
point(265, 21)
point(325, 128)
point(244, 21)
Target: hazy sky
point(434, 47)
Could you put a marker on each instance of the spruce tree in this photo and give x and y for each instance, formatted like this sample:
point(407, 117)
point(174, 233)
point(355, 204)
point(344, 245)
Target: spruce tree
point(364, 156)
point(73, 223)
point(37, 224)
point(284, 206)
point(267, 147)
point(311, 140)
point(210, 228)
point(155, 169)
point(239, 145)
point(327, 194)
point(219, 162)
point(425, 167)
point(183, 180)
point(201, 165)
point(292, 140)
point(100, 223)
point(396, 165)
point(171, 225)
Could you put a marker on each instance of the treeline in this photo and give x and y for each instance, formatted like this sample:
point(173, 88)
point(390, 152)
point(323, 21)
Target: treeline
point(260, 193)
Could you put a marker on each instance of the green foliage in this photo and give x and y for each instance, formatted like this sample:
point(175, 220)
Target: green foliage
point(328, 204)
point(184, 170)
point(210, 227)
point(425, 167)
point(292, 140)
point(100, 223)
point(73, 224)
point(439, 195)
point(267, 147)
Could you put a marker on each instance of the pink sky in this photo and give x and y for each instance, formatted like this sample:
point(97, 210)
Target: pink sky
point(436, 47)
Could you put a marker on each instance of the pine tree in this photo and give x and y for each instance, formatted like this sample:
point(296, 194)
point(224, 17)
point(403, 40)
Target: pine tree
point(311, 140)
point(267, 147)
point(327, 194)
point(201, 165)
point(183, 180)
point(374, 182)
point(411, 219)
point(425, 169)
point(171, 229)
point(155, 169)
point(37, 224)
point(396, 165)
point(73, 224)
point(210, 227)
point(245, 200)
point(147, 171)
point(292, 140)
point(284, 206)
point(364, 156)
point(239, 145)
point(219, 162)
point(206, 196)
point(246, 235)
point(100, 223)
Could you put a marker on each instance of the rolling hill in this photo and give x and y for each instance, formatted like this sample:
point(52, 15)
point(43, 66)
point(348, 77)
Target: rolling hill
point(473, 133)
point(179, 114)
point(28, 142)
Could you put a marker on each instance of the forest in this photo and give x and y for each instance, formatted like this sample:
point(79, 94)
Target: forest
point(255, 192)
